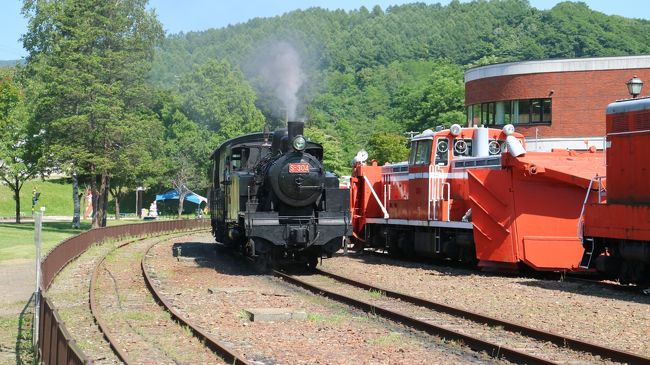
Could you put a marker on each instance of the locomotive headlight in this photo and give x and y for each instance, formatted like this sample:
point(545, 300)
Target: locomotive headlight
point(455, 129)
point(508, 129)
point(299, 143)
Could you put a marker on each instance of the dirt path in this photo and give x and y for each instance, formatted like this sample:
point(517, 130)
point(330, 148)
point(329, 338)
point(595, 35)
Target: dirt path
point(16, 288)
point(17, 284)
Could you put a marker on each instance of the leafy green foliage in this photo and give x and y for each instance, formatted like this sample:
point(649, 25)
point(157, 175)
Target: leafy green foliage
point(438, 101)
point(19, 145)
point(217, 96)
point(87, 64)
point(388, 147)
point(107, 102)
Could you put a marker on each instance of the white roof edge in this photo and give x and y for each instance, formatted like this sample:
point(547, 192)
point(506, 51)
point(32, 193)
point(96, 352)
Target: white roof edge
point(558, 65)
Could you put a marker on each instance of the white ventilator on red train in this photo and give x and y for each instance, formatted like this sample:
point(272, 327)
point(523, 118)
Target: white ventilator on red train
point(475, 195)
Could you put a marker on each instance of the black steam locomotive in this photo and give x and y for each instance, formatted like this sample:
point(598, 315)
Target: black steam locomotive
point(272, 199)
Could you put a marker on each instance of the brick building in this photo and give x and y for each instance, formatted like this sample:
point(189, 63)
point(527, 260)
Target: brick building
point(554, 103)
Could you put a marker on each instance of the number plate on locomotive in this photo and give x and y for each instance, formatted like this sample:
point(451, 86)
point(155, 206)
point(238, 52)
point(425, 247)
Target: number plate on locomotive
point(298, 168)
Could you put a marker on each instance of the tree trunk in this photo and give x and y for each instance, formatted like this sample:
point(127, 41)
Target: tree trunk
point(117, 196)
point(75, 200)
point(106, 181)
point(100, 213)
point(16, 189)
point(181, 198)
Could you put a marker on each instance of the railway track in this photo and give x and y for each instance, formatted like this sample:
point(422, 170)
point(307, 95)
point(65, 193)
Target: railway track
point(497, 338)
point(554, 276)
point(133, 327)
point(222, 350)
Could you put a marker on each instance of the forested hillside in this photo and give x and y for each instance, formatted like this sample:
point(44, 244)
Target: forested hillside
point(398, 69)
point(107, 98)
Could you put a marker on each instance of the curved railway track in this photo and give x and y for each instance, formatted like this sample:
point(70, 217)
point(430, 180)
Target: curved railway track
point(482, 335)
point(226, 354)
point(119, 349)
point(532, 350)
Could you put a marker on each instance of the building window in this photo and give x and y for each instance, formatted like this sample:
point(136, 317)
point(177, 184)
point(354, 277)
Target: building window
point(522, 112)
point(546, 110)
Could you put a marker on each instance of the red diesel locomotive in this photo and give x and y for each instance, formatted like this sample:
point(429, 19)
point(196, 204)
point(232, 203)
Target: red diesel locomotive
point(476, 195)
point(617, 223)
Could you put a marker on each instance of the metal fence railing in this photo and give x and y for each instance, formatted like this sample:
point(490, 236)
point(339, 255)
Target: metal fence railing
point(55, 345)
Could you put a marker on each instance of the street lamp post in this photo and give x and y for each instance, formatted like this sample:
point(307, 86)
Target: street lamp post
point(634, 86)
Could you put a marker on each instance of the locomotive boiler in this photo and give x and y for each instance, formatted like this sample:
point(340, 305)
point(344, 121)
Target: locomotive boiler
point(273, 200)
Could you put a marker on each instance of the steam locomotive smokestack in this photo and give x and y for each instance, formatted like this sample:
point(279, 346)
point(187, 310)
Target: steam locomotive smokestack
point(295, 129)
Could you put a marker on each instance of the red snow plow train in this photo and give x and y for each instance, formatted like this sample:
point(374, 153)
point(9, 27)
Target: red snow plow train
point(476, 195)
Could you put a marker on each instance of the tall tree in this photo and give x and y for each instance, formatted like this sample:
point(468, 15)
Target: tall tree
point(89, 60)
point(186, 149)
point(387, 147)
point(216, 96)
point(19, 146)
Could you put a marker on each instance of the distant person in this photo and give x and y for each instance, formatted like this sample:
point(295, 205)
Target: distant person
point(153, 209)
point(35, 195)
point(88, 212)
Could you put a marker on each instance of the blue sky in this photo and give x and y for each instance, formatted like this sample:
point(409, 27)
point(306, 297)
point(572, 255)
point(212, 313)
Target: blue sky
point(190, 15)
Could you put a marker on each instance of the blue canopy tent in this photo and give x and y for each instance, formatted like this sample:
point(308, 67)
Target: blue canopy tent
point(173, 194)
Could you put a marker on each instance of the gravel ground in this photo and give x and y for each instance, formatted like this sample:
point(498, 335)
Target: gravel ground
point(141, 327)
point(492, 334)
point(69, 293)
point(331, 334)
point(580, 310)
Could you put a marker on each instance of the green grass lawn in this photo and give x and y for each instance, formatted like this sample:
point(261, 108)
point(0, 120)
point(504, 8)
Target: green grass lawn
point(17, 240)
point(56, 197)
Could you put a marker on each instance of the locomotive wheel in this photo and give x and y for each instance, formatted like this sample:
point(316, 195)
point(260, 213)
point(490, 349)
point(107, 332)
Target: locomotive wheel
point(262, 263)
point(312, 262)
point(405, 244)
point(395, 252)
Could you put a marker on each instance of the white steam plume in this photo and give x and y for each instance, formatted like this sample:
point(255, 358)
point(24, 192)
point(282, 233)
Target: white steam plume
point(282, 71)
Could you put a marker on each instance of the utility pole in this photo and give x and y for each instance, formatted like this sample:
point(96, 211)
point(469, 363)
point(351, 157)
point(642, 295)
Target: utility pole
point(38, 227)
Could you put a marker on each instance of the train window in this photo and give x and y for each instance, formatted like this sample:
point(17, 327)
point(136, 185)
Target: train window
point(235, 158)
point(423, 152)
point(442, 152)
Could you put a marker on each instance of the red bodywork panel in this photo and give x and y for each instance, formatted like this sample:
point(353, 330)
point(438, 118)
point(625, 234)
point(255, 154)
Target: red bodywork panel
point(627, 222)
point(628, 154)
point(529, 211)
point(626, 212)
point(362, 203)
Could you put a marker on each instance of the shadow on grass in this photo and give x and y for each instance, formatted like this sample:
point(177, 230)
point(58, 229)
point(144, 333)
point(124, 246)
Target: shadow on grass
point(61, 227)
point(24, 349)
